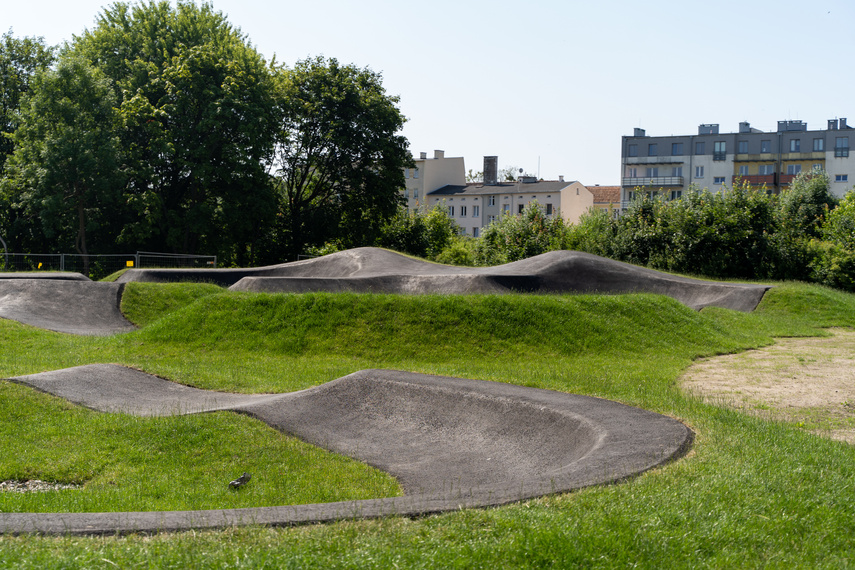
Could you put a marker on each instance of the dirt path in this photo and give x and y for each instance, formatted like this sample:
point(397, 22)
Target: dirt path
point(808, 381)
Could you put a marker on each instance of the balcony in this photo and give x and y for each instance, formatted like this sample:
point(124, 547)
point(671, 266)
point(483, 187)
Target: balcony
point(658, 181)
point(785, 179)
point(755, 179)
point(841, 152)
point(654, 160)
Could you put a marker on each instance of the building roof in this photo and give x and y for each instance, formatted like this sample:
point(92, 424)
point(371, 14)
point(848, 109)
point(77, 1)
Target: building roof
point(481, 189)
point(605, 194)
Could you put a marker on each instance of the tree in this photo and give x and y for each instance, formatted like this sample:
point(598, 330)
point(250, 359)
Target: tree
point(64, 170)
point(20, 60)
point(515, 237)
point(198, 117)
point(340, 156)
point(805, 203)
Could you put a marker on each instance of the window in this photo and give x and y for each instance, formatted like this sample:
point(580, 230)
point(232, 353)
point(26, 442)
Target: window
point(676, 194)
point(475, 232)
point(720, 150)
point(406, 173)
point(718, 180)
point(841, 177)
point(520, 208)
point(632, 150)
point(743, 147)
point(451, 211)
point(491, 201)
point(818, 145)
point(549, 209)
point(841, 147)
point(652, 172)
point(765, 146)
point(677, 171)
point(699, 172)
point(817, 168)
point(490, 219)
point(699, 148)
point(632, 172)
point(743, 170)
point(766, 169)
point(415, 173)
point(676, 149)
point(415, 192)
point(506, 208)
point(476, 211)
point(795, 145)
point(794, 168)
point(462, 211)
point(651, 149)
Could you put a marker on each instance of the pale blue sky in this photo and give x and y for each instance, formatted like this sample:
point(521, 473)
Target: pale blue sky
point(548, 84)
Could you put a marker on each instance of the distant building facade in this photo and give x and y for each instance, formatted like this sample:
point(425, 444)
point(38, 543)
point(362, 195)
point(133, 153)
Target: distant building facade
point(668, 165)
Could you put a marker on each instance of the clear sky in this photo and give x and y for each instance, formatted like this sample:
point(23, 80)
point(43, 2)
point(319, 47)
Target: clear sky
point(551, 86)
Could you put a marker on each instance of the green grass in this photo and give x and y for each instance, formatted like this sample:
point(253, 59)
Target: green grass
point(752, 493)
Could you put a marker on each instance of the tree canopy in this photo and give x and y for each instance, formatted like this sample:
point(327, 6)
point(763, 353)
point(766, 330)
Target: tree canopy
point(339, 156)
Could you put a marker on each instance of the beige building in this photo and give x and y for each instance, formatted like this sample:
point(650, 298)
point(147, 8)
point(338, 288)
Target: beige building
point(431, 174)
point(606, 198)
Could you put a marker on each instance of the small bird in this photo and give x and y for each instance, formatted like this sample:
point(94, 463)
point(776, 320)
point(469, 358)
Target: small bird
point(240, 481)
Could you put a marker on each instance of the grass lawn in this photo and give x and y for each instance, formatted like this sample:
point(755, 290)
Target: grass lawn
point(751, 493)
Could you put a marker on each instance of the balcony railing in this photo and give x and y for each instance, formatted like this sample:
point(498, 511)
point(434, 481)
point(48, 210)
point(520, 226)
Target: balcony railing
point(841, 152)
point(719, 156)
point(658, 181)
point(755, 179)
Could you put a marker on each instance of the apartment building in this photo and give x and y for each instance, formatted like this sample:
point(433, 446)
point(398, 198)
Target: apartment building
point(669, 165)
point(430, 174)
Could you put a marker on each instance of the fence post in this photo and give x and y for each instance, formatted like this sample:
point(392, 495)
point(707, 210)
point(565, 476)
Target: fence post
point(62, 262)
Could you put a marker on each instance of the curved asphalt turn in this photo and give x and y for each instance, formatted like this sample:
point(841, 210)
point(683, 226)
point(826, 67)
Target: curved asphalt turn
point(451, 442)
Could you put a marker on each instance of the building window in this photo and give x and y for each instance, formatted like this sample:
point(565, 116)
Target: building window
point(699, 172)
point(743, 170)
point(652, 172)
point(676, 149)
point(651, 149)
point(520, 208)
point(632, 172)
point(506, 208)
point(677, 171)
point(632, 150)
point(676, 194)
point(415, 192)
point(549, 209)
point(491, 201)
point(841, 147)
point(794, 168)
point(765, 146)
point(475, 232)
point(718, 180)
point(490, 219)
point(451, 211)
point(817, 167)
point(743, 147)
point(766, 169)
point(415, 173)
point(476, 211)
point(795, 145)
point(841, 177)
point(719, 150)
point(699, 147)
point(406, 173)
point(818, 145)
point(462, 211)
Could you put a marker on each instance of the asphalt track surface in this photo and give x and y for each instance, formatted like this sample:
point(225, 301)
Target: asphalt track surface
point(452, 443)
point(373, 270)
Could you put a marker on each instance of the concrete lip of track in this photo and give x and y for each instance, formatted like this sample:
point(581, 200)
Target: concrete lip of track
point(374, 270)
point(451, 442)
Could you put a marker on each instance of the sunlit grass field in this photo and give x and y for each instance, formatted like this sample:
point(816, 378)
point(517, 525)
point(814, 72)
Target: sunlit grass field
point(751, 493)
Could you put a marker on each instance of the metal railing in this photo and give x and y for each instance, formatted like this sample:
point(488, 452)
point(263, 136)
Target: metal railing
point(98, 266)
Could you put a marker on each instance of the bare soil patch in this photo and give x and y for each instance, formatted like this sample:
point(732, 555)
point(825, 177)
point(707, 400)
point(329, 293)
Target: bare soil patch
point(808, 381)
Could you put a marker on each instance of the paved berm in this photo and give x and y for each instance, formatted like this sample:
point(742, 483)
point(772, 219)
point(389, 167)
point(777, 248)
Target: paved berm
point(452, 443)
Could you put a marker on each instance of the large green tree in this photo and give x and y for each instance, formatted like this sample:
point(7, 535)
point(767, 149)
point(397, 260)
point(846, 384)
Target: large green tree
point(20, 60)
point(340, 155)
point(196, 103)
point(64, 171)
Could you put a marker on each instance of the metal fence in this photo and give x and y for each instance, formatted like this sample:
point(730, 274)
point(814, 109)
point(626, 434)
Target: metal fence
point(101, 265)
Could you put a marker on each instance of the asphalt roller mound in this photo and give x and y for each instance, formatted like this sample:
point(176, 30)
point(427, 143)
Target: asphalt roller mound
point(373, 270)
point(451, 442)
